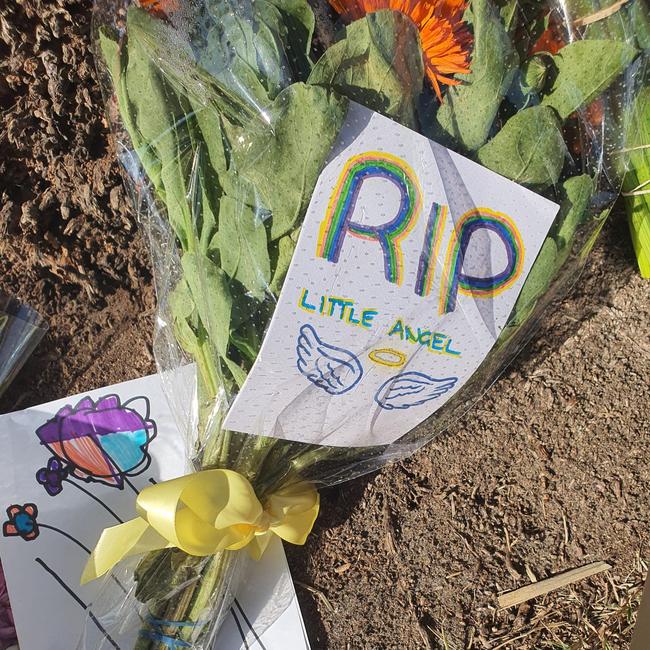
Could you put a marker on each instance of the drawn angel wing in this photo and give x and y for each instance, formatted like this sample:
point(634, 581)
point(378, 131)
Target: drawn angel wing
point(411, 389)
point(333, 369)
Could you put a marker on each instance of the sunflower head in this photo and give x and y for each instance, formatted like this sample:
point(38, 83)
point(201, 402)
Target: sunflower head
point(445, 37)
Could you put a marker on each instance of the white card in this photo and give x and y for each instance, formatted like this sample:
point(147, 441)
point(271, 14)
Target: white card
point(409, 262)
point(138, 443)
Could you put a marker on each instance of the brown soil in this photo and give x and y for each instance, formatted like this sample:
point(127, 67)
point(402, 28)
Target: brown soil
point(548, 472)
point(69, 242)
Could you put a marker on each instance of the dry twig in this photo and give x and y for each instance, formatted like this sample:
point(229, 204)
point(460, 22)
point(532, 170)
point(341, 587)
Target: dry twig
point(542, 587)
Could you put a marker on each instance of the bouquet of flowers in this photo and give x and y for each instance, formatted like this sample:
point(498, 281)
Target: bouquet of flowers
point(236, 123)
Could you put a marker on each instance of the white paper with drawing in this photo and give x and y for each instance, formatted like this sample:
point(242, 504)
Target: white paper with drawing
point(409, 262)
point(65, 476)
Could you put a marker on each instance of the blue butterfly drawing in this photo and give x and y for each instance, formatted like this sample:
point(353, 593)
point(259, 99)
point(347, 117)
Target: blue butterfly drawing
point(333, 369)
point(411, 389)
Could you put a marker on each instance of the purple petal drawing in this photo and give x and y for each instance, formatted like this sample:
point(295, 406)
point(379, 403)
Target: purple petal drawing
point(103, 441)
point(52, 476)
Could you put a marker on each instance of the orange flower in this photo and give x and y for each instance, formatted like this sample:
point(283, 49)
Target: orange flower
point(551, 40)
point(160, 7)
point(446, 40)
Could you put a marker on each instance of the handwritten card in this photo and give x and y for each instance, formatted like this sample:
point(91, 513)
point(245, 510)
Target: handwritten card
point(70, 468)
point(409, 262)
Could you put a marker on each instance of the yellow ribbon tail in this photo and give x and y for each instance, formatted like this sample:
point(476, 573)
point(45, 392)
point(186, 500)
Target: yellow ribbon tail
point(133, 537)
point(204, 513)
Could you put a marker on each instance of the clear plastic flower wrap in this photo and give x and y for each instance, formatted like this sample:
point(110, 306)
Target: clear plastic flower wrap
point(21, 329)
point(227, 115)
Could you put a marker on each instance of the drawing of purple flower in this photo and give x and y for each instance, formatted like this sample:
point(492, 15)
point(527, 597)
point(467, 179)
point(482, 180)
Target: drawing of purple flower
point(52, 476)
point(22, 522)
point(103, 441)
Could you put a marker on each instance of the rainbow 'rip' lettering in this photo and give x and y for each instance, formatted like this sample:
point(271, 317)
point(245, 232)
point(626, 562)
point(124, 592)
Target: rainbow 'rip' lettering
point(338, 219)
point(455, 281)
point(429, 255)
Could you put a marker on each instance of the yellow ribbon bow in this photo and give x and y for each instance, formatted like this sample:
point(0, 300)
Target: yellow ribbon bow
point(204, 513)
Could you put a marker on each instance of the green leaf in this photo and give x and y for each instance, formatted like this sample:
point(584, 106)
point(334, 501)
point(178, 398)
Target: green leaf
point(529, 149)
point(164, 129)
point(541, 274)
point(243, 246)
point(637, 203)
point(378, 63)
point(168, 48)
point(533, 74)
point(524, 22)
point(116, 60)
point(576, 193)
point(110, 49)
point(468, 112)
point(160, 118)
point(639, 17)
point(282, 255)
point(584, 70)
point(208, 286)
point(596, 224)
point(181, 302)
point(208, 121)
point(247, 340)
point(637, 138)
point(299, 18)
point(615, 27)
point(203, 187)
point(509, 12)
point(284, 161)
point(245, 49)
point(183, 311)
point(237, 372)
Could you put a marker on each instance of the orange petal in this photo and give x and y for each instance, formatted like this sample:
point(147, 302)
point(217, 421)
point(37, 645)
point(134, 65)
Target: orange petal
point(8, 529)
point(446, 39)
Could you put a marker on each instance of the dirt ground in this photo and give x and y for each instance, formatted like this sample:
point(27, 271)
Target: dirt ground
point(549, 472)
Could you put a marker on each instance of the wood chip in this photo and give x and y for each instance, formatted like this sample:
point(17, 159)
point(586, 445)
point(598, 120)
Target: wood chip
point(531, 575)
point(521, 595)
point(343, 568)
point(566, 529)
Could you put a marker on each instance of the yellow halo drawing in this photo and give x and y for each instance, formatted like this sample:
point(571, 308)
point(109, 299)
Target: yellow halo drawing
point(388, 357)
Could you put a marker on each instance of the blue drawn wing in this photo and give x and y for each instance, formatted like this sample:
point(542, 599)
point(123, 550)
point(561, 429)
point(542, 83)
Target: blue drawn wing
point(411, 389)
point(333, 369)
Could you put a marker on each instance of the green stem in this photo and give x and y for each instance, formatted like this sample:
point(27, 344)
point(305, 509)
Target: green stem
point(208, 371)
point(224, 451)
point(218, 569)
